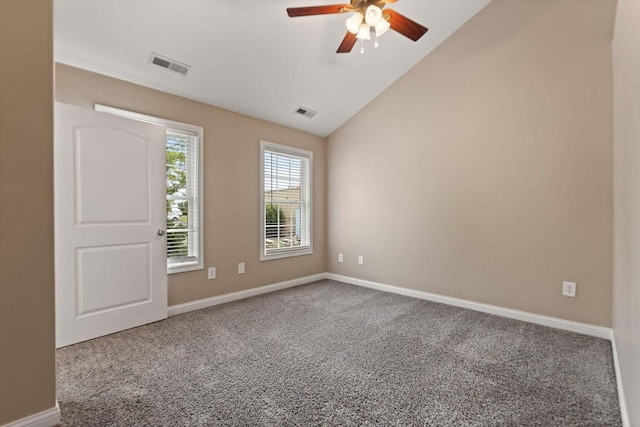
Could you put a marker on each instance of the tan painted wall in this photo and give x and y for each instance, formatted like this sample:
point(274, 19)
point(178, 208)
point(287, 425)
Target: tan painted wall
point(626, 284)
point(231, 182)
point(27, 358)
point(485, 172)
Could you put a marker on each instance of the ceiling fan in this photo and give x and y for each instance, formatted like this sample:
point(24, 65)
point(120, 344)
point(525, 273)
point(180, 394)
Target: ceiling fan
point(368, 17)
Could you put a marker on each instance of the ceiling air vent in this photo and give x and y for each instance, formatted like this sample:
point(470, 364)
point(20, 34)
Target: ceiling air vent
point(307, 112)
point(169, 64)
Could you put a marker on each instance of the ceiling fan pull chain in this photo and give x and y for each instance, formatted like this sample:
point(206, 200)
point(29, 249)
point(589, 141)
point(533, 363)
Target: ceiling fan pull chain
point(361, 45)
point(375, 43)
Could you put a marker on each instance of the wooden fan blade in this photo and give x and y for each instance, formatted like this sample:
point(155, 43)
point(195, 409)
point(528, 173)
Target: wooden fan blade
point(318, 10)
point(405, 26)
point(347, 44)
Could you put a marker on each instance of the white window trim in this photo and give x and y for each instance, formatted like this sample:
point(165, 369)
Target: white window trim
point(292, 252)
point(177, 126)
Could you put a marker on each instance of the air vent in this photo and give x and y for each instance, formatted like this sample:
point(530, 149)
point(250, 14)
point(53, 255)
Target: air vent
point(307, 112)
point(169, 64)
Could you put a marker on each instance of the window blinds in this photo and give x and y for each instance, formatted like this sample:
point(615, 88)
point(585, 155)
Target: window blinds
point(287, 200)
point(182, 198)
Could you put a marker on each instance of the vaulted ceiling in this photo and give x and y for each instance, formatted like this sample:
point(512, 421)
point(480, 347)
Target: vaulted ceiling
point(248, 56)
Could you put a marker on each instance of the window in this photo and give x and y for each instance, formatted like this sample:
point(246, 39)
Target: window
point(183, 240)
point(285, 201)
point(184, 190)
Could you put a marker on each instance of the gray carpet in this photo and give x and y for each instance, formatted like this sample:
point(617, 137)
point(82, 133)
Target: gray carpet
point(329, 353)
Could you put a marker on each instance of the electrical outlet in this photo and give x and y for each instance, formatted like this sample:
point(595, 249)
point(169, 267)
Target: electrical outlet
point(241, 268)
point(211, 273)
point(340, 258)
point(569, 289)
point(360, 259)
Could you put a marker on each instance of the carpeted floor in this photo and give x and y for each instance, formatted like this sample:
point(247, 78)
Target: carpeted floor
point(329, 353)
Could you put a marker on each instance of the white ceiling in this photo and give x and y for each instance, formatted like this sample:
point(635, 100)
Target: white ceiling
point(248, 56)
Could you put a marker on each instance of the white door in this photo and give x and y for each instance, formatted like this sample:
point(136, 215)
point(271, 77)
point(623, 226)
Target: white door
point(110, 214)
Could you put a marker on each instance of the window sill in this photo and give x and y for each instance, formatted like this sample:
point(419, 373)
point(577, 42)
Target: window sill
point(286, 254)
point(182, 268)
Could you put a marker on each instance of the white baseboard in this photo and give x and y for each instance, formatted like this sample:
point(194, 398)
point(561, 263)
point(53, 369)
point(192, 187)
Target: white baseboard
point(553, 322)
point(567, 325)
point(624, 414)
point(221, 299)
point(48, 418)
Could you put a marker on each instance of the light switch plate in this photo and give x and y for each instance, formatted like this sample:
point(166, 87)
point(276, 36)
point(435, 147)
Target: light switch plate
point(241, 268)
point(340, 257)
point(360, 259)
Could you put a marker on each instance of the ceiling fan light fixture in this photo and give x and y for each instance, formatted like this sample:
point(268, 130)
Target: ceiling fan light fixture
point(368, 17)
point(364, 32)
point(353, 23)
point(382, 26)
point(373, 15)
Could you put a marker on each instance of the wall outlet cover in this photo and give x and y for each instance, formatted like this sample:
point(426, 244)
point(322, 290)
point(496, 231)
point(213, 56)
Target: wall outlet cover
point(340, 257)
point(360, 259)
point(241, 268)
point(569, 289)
point(211, 273)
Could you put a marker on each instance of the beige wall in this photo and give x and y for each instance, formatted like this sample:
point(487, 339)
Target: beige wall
point(485, 172)
point(231, 182)
point(626, 286)
point(27, 359)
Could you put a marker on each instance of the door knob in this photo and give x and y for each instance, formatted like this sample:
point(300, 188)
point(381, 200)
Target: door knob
point(161, 232)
